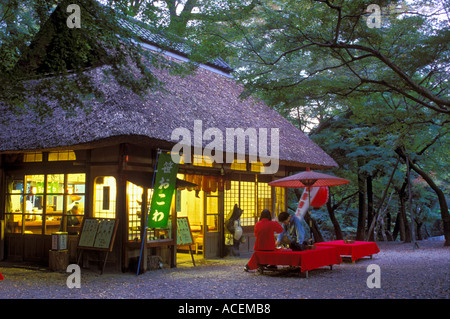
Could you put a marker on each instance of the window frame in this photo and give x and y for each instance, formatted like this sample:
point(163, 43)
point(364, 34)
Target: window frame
point(45, 216)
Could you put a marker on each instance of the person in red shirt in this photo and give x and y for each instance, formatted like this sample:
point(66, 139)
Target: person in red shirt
point(264, 233)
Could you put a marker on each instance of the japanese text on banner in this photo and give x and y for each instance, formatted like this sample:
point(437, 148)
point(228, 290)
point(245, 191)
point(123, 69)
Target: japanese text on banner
point(164, 187)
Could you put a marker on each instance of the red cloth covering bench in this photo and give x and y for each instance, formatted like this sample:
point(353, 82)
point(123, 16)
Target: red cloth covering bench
point(307, 259)
point(356, 250)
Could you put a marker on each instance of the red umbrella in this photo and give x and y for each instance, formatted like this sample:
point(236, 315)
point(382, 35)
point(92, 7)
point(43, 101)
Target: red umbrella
point(309, 179)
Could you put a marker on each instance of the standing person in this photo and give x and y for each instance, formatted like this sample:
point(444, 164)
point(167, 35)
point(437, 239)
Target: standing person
point(293, 229)
point(265, 230)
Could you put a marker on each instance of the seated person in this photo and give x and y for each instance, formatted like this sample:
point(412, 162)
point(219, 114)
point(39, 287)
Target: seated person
point(293, 230)
point(72, 220)
point(264, 233)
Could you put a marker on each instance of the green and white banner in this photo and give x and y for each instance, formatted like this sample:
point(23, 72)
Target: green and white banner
point(163, 189)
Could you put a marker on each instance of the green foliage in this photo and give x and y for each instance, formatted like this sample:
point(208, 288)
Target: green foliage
point(44, 57)
point(359, 93)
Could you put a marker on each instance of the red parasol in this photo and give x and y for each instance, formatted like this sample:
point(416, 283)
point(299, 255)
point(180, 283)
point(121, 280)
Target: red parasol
point(309, 179)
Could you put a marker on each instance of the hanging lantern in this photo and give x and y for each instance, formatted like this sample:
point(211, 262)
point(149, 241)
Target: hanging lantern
point(198, 181)
point(220, 184)
point(213, 183)
point(227, 184)
point(321, 197)
point(205, 184)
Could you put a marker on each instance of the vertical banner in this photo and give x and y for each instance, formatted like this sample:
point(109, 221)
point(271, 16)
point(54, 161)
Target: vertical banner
point(163, 189)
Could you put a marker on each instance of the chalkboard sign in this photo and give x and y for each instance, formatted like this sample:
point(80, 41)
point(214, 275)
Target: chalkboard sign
point(184, 236)
point(98, 233)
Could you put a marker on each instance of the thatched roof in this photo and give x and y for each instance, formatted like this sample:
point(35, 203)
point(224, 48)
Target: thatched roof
point(205, 96)
point(175, 44)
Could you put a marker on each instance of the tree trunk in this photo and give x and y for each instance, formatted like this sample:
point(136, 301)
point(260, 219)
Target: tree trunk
point(388, 221)
point(381, 228)
point(360, 231)
point(337, 227)
point(445, 215)
point(397, 228)
point(404, 228)
point(372, 225)
point(370, 212)
point(388, 227)
point(418, 229)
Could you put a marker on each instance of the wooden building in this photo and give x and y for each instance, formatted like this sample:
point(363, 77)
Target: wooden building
point(102, 161)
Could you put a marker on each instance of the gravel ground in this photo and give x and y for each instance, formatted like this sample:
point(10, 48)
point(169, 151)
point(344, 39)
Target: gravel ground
point(422, 273)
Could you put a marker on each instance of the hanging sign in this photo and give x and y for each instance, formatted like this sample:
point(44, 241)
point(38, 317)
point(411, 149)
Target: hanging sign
point(165, 180)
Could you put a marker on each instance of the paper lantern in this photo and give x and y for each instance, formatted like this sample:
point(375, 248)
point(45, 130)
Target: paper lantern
point(320, 198)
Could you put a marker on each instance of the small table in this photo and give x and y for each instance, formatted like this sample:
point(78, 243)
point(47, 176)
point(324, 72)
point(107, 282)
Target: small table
point(356, 250)
point(307, 259)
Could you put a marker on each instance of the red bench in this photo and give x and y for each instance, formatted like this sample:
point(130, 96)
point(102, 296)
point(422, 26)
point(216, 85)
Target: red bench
point(306, 260)
point(356, 250)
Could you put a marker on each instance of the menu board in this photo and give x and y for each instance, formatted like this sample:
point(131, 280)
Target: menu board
point(104, 233)
point(98, 233)
point(184, 236)
point(88, 232)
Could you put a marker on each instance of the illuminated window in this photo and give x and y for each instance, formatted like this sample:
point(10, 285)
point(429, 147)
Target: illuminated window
point(257, 167)
point(243, 194)
point(61, 156)
point(212, 212)
point(105, 197)
point(252, 197)
point(134, 208)
point(40, 204)
point(280, 204)
point(238, 166)
point(264, 198)
point(32, 157)
point(200, 160)
point(231, 197)
point(248, 203)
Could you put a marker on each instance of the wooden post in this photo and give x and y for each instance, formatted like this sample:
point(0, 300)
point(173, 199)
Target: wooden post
point(58, 260)
point(192, 256)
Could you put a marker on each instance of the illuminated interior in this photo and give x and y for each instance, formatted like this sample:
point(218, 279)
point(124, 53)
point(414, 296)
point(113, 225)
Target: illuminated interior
point(134, 209)
point(61, 156)
point(41, 204)
point(238, 165)
point(32, 157)
point(202, 160)
point(200, 205)
point(52, 156)
point(105, 193)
